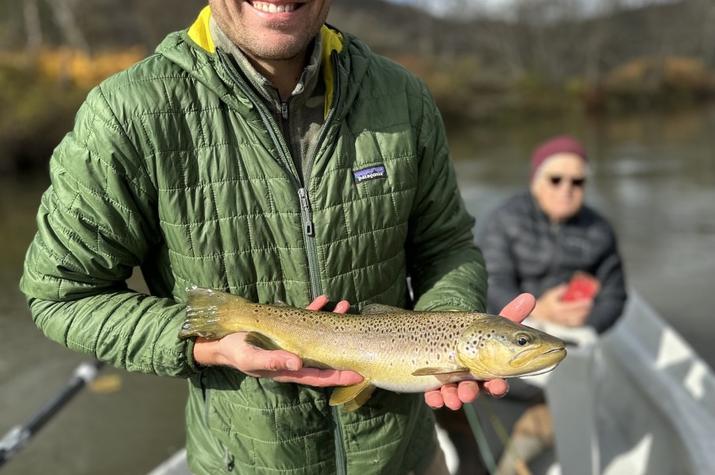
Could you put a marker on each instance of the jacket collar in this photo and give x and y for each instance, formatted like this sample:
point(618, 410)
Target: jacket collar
point(331, 41)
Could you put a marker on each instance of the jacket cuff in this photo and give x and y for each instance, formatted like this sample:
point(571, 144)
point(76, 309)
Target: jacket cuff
point(189, 356)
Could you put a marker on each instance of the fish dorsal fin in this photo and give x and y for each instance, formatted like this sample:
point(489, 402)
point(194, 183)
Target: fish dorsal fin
point(280, 303)
point(352, 397)
point(261, 341)
point(200, 295)
point(437, 371)
point(380, 308)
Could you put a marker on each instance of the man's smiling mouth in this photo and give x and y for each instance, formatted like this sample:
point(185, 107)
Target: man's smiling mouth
point(268, 7)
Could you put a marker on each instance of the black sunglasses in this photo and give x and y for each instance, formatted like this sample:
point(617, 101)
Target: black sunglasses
point(576, 182)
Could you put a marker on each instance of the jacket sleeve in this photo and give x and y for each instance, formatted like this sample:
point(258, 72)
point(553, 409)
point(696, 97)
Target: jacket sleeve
point(96, 222)
point(495, 243)
point(446, 268)
point(611, 299)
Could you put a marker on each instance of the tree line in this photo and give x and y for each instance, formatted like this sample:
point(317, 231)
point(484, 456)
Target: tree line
point(543, 57)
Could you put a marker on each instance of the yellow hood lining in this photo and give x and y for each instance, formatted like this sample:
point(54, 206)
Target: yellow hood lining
point(331, 40)
point(200, 33)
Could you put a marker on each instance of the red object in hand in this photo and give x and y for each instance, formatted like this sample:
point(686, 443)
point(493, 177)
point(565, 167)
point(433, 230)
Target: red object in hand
point(581, 286)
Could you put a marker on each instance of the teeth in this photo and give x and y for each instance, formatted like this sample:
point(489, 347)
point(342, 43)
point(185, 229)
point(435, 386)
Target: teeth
point(273, 8)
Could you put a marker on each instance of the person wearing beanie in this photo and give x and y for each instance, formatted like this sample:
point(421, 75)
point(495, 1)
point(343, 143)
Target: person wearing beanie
point(538, 241)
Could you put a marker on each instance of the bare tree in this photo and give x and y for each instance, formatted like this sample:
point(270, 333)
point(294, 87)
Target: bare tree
point(596, 50)
point(33, 28)
point(707, 36)
point(64, 13)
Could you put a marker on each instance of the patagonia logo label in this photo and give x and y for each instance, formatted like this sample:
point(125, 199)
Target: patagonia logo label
point(370, 173)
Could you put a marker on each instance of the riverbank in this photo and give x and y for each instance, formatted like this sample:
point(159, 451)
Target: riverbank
point(40, 94)
point(468, 92)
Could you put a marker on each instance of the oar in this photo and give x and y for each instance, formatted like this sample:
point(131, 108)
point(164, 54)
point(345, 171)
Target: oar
point(16, 439)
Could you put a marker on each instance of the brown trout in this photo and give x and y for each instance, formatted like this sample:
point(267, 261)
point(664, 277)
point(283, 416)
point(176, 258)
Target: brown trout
point(392, 348)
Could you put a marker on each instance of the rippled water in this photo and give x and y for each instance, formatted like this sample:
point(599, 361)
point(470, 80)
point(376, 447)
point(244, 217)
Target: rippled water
point(654, 178)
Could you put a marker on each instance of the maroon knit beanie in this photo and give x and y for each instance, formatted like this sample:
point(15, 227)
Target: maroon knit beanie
point(553, 146)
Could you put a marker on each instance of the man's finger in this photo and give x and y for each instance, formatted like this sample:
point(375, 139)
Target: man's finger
point(434, 399)
point(450, 396)
point(519, 308)
point(467, 391)
point(496, 387)
point(257, 359)
point(342, 307)
point(317, 377)
point(318, 303)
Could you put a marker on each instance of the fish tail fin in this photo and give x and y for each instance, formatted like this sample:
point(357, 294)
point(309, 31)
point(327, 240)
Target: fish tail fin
point(207, 313)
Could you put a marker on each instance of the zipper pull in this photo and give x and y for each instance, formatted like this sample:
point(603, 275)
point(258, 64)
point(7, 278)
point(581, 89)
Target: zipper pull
point(305, 206)
point(284, 110)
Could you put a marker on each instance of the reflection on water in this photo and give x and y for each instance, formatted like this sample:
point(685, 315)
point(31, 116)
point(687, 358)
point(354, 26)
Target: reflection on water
point(654, 177)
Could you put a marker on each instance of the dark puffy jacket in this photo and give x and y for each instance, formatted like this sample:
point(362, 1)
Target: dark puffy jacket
point(524, 252)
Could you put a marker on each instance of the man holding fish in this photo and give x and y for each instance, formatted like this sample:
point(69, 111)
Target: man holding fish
point(265, 154)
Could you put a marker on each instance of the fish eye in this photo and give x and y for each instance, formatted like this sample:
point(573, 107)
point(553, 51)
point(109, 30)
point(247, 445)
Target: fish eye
point(522, 339)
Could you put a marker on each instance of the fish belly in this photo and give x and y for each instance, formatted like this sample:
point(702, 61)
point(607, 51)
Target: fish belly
point(418, 384)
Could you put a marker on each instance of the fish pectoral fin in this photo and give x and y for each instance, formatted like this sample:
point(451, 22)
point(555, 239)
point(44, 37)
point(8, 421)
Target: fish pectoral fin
point(380, 308)
point(261, 341)
point(438, 371)
point(352, 397)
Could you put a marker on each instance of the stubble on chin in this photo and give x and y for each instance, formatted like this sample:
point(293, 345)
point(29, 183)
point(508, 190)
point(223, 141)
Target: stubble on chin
point(273, 43)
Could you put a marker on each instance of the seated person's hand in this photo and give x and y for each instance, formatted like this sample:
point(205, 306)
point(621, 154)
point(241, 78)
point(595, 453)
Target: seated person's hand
point(282, 366)
point(551, 308)
point(454, 395)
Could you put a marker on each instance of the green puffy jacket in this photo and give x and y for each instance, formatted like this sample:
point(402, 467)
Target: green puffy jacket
point(174, 166)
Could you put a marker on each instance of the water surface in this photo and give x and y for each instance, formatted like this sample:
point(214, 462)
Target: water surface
point(654, 177)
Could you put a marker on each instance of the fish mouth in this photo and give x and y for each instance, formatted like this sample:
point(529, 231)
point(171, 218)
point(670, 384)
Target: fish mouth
point(539, 371)
point(556, 350)
point(552, 354)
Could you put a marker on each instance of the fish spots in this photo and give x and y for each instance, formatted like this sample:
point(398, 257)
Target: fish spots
point(470, 348)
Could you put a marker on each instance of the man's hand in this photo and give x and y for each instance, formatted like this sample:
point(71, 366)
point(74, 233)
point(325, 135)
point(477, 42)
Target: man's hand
point(282, 366)
point(551, 308)
point(454, 395)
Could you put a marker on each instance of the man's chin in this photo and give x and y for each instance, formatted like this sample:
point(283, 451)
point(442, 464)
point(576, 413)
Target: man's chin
point(278, 51)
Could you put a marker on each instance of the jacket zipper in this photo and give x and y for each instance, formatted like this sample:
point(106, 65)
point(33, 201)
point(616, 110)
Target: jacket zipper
point(306, 212)
point(306, 216)
point(340, 455)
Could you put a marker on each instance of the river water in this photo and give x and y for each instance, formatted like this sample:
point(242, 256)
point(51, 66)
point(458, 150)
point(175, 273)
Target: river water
point(654, 178)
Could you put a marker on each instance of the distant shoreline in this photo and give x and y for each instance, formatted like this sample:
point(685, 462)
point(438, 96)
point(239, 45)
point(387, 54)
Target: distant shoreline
point(40, 97)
